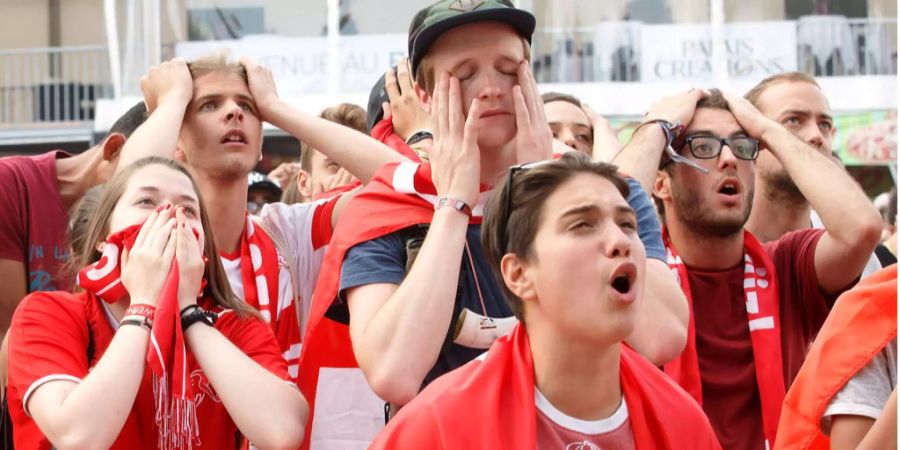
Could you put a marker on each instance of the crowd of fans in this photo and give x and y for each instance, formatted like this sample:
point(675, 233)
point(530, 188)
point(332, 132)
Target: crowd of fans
point(467, 263)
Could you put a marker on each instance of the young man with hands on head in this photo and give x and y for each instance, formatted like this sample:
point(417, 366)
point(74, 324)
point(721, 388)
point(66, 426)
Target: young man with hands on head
point(209, 113)
point(754, 308)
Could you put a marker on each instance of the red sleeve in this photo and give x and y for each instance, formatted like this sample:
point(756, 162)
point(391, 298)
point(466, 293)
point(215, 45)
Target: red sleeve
point(253, 337)
point(794, 256)
point(321, 223)
point(383, 131)
point(48, 340)
point(13, 232)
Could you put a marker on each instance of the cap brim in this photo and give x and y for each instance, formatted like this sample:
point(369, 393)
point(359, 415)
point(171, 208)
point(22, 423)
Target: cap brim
point(522, 21)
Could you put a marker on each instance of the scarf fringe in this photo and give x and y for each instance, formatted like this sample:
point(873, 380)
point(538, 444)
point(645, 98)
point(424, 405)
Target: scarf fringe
point(176, 418)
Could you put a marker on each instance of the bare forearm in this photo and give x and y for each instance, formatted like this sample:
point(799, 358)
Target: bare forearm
point(846, 212)
point(405, 336)
point(640, 157)
point(883, 434)
point(157, 136)
point(268, 410)
point(95, 410)
point(661, 331)
point(361, 155)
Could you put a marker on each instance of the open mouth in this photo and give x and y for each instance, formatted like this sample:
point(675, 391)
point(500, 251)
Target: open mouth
point(623, 278)
point(730, 187)
point(234, 136)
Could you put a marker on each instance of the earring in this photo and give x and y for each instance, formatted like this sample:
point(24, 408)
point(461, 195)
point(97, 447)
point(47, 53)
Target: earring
point(260, 156)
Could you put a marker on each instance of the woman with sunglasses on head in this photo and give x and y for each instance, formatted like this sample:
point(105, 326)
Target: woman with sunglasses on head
point(154, 351)
point(562, 240)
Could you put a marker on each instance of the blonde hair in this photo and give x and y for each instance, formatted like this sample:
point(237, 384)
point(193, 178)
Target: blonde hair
point(216, 62)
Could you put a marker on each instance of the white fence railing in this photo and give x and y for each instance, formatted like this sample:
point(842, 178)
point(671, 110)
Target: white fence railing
point(57, 85)
point(611, 51)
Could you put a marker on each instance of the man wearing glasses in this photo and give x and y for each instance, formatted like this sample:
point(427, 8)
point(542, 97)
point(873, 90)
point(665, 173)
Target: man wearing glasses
point(754, 308)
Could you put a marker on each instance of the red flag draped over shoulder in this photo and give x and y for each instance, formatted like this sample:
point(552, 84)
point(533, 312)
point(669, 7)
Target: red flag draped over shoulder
point(400, 195)
point(860, 324)
point(489, 403)
point(383, 131)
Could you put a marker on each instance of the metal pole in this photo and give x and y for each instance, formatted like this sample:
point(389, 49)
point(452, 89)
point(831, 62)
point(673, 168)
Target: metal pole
point(112, 44)
point(719, 55)
point(334, 49)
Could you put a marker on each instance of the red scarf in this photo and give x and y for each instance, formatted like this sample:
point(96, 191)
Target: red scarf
point(489, 403)
point(400, 195)
point(176, 414)
point(383, 132)
point(761, 297)
point(260, 275)
point(862, 322)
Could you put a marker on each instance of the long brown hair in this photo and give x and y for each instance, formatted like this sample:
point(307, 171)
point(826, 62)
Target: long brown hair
point(86, 252)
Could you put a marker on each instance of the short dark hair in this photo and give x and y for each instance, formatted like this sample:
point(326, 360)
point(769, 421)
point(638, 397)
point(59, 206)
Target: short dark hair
point(130, 121)
point(530, 190)
point(560, 97)
point(756, 91)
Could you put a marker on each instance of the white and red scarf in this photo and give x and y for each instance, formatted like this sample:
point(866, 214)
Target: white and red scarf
point(260, 271)
point(763, 320)
point(176, 413)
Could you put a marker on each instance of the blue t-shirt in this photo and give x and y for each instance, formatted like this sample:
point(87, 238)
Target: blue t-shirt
point(648, 225)
point(383, 260)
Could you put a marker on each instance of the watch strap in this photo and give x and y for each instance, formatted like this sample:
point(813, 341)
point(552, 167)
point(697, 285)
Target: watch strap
point(454, 203)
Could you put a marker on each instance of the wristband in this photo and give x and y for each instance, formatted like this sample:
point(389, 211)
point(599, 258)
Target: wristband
point(147, 311)
point(193, 314)
point(456, 204)
point(419, 136)
point(139, 321)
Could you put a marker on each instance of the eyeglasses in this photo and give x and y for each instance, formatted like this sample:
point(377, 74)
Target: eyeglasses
point(513, 171)
point(709, 147)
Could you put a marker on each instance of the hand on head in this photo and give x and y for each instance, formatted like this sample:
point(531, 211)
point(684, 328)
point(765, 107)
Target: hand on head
point(677, 109)
point(455, 157)
point(749, 118)
point(171, 80)
point(534, 139)
point(262, 85)
point(405, 110)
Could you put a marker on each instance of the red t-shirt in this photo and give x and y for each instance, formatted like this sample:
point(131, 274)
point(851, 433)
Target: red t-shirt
point(730, 393)
point(49, 339)
point(34, 220)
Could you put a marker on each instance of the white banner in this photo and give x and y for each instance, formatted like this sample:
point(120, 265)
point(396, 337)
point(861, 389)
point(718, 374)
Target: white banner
point(300, 64)
point(754, 50)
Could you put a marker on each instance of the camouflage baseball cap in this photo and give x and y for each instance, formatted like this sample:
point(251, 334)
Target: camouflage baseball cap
point(430, 23)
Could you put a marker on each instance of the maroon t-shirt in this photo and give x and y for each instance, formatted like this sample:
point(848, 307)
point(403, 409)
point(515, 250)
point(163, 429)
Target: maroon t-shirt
point(730, 392)
point(34, 220)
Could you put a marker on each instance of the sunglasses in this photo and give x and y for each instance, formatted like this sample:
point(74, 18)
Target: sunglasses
point(513, 171)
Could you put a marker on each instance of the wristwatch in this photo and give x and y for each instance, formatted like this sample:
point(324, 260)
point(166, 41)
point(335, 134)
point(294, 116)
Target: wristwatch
point(193, 314)
point(419, 136)
point(454, 203)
